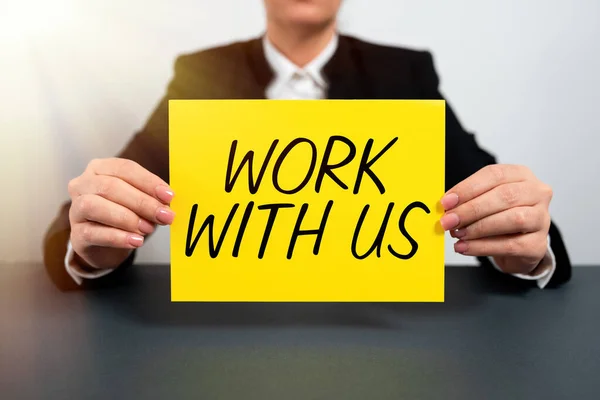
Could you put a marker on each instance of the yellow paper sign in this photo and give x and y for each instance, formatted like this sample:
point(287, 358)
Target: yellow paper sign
point(328, 200)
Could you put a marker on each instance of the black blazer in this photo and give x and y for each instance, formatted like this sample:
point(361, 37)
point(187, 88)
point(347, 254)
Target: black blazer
point(357, 70)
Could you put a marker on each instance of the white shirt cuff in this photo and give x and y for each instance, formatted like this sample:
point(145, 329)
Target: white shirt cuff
point(76, 272)
point(547, 267)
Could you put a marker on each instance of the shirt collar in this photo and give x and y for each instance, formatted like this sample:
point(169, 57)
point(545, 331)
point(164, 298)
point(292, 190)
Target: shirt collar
point(285, 69)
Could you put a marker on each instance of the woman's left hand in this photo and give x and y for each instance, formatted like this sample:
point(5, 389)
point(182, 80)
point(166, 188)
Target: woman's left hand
point(500, 211)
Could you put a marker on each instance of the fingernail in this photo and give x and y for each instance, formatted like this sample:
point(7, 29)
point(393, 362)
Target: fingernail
point(164, 194)
point(461, 247)
point(449, 201)
point(135, 240)
point(449, 221)
point(165, 216)
point(459, 233)
point(145, 227)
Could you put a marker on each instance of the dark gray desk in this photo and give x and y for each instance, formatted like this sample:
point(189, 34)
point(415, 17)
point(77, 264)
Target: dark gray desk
point(490, 340)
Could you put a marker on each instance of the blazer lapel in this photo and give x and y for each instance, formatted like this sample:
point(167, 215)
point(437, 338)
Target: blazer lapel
point(344, 73)
point(260, 70)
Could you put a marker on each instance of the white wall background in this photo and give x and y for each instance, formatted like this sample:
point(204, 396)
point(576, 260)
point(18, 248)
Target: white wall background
point(77, 77)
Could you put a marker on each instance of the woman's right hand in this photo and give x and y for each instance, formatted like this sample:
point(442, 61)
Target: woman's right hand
point(115, 204)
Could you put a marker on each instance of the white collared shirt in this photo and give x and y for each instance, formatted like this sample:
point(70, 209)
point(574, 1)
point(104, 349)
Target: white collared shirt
point(291, 82)
point(294, 83)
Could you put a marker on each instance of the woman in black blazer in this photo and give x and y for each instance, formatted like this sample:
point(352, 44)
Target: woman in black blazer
point(498, 212)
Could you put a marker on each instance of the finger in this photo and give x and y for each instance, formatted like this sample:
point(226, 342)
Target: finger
point(134, 174)
point(514, 220)
point(499, 199)
point(530, 246)
point(482, 181)
point(121, 192)
point(90, 234)
point(95, 208)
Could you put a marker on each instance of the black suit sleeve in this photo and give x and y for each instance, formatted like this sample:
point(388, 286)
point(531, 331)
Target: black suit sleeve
point(464, 157)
